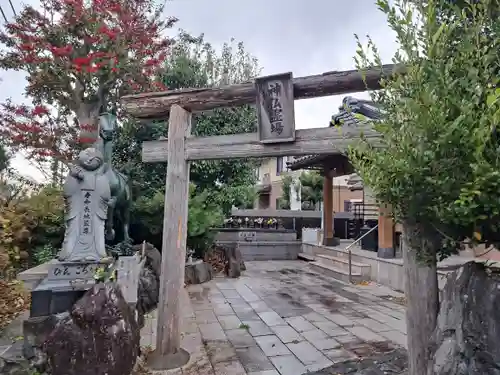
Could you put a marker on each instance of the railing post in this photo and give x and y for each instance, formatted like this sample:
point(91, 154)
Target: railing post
point(349, 252)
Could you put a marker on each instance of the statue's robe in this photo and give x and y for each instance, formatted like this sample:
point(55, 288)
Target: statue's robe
point(86, 213)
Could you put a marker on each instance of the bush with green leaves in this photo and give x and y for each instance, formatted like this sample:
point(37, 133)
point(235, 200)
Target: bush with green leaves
point(440, 165)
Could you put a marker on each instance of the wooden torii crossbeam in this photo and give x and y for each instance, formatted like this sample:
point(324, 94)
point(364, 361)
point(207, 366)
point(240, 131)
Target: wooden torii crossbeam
point(274, 97)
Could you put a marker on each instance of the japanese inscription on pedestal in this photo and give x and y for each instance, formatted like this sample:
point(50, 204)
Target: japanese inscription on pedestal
point(275, 108)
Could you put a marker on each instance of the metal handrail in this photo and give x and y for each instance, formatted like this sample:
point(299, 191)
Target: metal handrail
point(349, 254)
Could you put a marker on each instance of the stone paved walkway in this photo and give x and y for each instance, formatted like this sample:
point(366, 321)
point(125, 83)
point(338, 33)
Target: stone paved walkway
point(283, 318)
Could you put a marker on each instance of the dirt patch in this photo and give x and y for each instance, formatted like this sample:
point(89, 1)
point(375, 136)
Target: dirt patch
point(288, 271)
point(399, 300)
point(284, 295)
point(13, 301)
point(369, 348)
point(391, 363)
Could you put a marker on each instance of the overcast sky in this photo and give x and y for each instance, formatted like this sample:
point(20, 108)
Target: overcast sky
point(303, 36)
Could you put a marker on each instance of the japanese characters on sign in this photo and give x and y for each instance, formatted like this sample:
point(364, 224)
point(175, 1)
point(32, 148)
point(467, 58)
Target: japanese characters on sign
point(68, 271)
point(87, 228)
point(275, 108)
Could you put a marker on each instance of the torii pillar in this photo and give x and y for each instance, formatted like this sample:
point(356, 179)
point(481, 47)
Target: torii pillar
point(385, 232)
point(328, 231)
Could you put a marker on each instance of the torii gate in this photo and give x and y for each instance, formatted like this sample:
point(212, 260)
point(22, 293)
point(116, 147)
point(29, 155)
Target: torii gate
point(276, 136)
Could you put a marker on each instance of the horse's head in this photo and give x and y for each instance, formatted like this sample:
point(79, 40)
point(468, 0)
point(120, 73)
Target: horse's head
point(107, 126)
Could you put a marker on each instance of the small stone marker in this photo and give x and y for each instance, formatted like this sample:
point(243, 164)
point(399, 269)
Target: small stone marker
point(128, 270)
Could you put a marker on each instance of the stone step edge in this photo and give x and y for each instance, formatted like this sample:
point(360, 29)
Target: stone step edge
point(342, 260)
point(307, 257)
point(334, 269)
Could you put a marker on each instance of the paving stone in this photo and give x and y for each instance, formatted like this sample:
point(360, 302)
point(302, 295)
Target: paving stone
point(205, 316)
point(331, 329)
point(288, 365)
point(396, 337)
point(257, 327)
point(223, 309)
point(229, 322)
point(267, 372)
point(233, 297)
point(272, 346)
point(325, 344)
point(247, 315)
point(348, 339)
point(287, 334)
point(341, 320)
point(212, 331)
point(202, 306)
point(373, 325)
point(315, 334)
point(248, 295)
point(260, 306)
point(306, 353)
point(220, 351)
point(339, 355)
point(315, 317)
point(365, 334)
point(240, 338)
point(320, 365)
point(229, 368)
point(237, 301)
point(253, 359)
point(225, 285)
point(271, 318)
point(300, 324)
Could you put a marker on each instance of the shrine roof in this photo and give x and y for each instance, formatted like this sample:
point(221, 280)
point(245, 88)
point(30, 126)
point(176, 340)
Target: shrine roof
point(353, 113)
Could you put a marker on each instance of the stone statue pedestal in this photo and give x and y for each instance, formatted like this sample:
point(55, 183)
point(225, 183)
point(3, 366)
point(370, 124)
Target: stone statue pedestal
point(64, 285)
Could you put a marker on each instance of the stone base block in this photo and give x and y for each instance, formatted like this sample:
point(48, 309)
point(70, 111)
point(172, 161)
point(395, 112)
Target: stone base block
point(198, 272)
point(386, 253)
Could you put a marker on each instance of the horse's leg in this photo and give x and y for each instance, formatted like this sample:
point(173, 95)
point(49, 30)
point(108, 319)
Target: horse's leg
point(126, 212)
point(110, 233)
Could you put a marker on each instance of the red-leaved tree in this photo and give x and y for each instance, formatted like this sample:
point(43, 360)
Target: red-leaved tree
point(43, 135)
point(80, 56)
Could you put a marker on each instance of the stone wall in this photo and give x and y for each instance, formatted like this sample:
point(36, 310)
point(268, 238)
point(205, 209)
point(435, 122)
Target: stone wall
point(261, 243)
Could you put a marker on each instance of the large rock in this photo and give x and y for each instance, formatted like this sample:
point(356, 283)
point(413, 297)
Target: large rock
point(148, 292)
point(233, 261)
point(467, 337)
point(100, 336)
point(198, 272)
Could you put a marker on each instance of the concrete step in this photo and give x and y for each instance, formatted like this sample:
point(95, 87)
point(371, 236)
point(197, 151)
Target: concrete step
point(306, 257)
point(343, 264)
point(337, 273)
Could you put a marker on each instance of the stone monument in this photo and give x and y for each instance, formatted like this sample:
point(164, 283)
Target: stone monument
point(87, 197)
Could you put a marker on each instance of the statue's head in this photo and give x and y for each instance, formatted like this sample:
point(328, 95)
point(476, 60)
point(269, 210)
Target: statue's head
point(107, 126)
point(90, 159)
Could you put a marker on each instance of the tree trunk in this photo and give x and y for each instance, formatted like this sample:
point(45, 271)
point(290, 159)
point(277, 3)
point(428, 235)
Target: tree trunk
point(421, 289)
point(88, 118)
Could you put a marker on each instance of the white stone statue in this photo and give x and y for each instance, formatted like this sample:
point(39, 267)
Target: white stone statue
point(87, 196)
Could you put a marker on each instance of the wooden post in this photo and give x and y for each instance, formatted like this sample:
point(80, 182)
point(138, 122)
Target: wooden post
point(385, 232)
point(328, 209)
point(168, 353)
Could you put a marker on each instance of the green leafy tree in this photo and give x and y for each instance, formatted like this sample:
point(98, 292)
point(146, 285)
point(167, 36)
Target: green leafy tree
point(439, 169)
point(224, 183)
point(311, 183)
point(285, 199)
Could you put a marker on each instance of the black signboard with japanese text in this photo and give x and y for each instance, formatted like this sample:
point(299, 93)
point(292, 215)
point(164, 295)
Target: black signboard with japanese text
point(275, 108)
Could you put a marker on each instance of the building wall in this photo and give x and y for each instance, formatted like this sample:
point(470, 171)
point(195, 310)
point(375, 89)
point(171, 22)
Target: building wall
point(342, 194)
point(269, 167)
